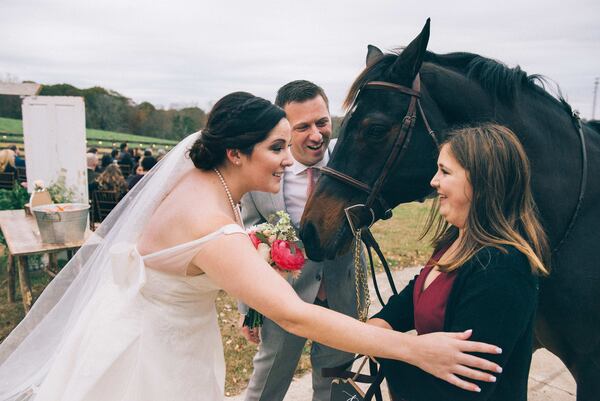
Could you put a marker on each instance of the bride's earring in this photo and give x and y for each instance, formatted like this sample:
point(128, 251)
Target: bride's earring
point(235, 157)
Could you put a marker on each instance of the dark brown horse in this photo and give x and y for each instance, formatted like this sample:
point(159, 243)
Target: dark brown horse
point(458, 89)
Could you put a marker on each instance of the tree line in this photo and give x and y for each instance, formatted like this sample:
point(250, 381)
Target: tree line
point(110, 111)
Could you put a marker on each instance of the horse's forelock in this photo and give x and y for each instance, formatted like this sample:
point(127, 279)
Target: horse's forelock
point(370, 73)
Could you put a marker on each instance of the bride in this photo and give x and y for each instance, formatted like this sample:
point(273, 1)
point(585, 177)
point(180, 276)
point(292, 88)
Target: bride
point(132, 315)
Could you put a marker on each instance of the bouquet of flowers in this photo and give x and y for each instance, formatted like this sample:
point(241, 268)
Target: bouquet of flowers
point(278, 244)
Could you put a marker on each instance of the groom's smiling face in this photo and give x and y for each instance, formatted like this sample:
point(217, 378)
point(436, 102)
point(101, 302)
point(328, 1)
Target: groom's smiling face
point(311, 129)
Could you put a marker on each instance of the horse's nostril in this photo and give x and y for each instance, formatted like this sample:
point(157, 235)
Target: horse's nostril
point(310, 238)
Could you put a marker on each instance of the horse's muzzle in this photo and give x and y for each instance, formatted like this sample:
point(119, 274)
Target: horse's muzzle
point(312, 244)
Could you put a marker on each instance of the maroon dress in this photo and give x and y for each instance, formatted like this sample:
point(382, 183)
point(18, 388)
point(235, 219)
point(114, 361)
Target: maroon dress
point(430, 303)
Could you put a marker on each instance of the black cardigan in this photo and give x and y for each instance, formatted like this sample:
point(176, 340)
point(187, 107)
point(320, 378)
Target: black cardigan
point(495, 294)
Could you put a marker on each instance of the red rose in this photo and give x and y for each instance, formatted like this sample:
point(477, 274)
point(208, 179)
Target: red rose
point(254, 239)
point(286, 255)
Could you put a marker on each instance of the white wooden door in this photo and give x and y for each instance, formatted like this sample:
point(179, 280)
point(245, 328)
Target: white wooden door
point(54, 138)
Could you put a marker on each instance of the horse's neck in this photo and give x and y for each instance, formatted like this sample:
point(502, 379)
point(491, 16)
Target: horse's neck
point(459, 100)
point(543, 126)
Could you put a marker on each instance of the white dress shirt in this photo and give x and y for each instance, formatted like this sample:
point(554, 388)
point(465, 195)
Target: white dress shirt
point(295, 185)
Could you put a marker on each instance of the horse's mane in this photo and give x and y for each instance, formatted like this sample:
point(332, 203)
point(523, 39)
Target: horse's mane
point(494, 77)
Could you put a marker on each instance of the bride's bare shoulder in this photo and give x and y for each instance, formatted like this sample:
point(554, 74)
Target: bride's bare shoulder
point(192, 210)
point(196, 201)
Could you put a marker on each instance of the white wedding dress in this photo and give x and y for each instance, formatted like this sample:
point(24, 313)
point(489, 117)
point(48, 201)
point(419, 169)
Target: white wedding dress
point(116, 326)
point(150, 333)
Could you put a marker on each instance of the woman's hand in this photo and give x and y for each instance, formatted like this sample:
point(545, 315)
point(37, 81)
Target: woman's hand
point(444, 355)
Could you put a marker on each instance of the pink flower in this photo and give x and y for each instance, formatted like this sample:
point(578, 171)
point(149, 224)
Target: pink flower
point(287, 255)
point(254, 239)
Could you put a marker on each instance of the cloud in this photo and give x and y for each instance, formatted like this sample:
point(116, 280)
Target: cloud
point(195, 52)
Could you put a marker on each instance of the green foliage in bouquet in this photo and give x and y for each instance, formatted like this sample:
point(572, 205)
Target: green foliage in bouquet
point(280, 225)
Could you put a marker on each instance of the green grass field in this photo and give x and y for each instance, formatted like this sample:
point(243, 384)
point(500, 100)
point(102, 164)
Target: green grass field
point(94, 136)
point(397, 237)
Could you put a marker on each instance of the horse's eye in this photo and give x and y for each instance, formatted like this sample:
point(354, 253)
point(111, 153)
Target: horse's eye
point(377, 131)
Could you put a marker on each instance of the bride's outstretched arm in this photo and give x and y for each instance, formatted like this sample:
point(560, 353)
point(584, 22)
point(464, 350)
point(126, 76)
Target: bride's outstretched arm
point(233, 263)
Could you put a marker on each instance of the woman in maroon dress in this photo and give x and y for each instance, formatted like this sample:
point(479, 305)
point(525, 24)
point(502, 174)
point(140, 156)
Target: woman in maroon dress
point(489, 250)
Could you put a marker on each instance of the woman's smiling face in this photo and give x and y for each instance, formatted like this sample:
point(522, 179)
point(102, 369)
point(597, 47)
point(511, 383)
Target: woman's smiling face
point(269, 158)
point(452, 184)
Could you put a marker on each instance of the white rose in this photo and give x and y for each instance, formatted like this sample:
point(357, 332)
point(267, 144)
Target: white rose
point(264, 250)
point(38, 184)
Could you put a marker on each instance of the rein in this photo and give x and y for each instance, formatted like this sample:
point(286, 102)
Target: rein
point(583, 183)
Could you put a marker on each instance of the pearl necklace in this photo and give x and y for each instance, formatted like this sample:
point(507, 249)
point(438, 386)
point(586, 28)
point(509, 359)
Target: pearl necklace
point(236, 210)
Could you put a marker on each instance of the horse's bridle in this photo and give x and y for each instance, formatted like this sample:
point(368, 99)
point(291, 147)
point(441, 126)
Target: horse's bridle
point(399, 148)
point(360, 230)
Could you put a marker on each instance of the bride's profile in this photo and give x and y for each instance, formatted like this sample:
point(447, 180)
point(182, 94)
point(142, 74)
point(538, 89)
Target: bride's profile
point(132, 315)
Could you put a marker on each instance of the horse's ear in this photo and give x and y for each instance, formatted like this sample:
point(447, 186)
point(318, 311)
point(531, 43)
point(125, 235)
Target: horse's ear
point(409, 61)
point(373, 55)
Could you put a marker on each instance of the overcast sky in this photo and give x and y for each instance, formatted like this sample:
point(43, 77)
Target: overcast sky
point(180, 52)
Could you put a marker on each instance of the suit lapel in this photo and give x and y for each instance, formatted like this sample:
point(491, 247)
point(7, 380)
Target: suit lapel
point(268, 203)
point(278, 201)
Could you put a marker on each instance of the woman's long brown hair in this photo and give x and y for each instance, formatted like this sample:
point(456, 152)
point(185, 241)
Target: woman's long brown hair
point(111, 179)
point(502, 211)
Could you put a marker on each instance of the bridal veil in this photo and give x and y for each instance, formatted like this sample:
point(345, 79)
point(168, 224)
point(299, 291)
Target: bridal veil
point(28, 352)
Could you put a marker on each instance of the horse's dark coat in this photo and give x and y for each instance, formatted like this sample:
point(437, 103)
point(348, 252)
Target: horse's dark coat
point(464, 89)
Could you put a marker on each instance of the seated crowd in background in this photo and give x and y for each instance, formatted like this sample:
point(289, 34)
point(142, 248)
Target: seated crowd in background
point(130, 165)
point(145, 165)
point(107, 175)
point(19, 161)
point(7, 161)
point(111, 179)
point(92, 172)
point(105, 161)
point(125, 157)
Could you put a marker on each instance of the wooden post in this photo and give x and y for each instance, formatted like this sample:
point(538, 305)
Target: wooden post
point(10, 268)
point(53, 262)
point(24, 283)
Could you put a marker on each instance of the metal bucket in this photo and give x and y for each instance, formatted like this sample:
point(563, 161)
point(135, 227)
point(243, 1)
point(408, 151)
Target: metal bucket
point(61, 222)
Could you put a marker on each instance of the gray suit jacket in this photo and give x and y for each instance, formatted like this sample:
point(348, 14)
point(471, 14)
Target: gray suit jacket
point(338, 273)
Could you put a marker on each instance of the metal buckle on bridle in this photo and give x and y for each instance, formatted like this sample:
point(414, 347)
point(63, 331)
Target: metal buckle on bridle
point(349, 217)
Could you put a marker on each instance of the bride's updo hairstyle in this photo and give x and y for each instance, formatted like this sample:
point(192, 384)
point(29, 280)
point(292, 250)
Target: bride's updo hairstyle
point(239, 121)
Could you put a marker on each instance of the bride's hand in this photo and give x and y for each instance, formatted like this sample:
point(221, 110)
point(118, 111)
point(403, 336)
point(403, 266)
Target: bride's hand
point(251, 335)
point(444, 356)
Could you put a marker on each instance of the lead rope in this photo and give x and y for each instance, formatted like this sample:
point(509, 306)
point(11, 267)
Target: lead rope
point(363, 298)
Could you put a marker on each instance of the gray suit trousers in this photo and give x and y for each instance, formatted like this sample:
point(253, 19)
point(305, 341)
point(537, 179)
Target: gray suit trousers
point(277, 359)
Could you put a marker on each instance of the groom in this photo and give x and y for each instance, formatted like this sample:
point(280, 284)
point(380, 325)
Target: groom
point(330, 283)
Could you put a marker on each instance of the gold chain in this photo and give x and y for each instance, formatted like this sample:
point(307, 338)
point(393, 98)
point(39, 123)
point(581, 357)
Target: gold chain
point(361, 279)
